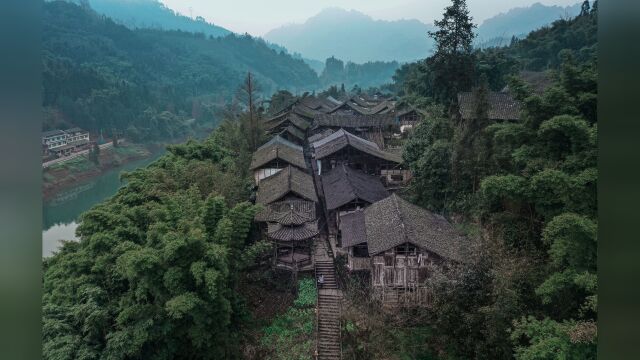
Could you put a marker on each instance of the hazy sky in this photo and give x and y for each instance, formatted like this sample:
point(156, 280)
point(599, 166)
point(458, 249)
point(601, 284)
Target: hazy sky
point(259, 16)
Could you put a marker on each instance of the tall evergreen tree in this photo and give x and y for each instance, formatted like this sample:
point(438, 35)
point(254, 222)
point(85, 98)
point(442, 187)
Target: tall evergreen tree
point(452, 67)
point(585, 9)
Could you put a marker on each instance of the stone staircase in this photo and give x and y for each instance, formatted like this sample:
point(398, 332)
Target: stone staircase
point(329, 297)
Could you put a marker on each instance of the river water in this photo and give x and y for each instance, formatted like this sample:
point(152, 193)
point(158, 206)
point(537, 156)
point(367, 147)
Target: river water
point(60, 214)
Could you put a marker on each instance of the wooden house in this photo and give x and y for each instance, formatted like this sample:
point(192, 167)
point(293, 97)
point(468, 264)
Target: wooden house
point(292, 225)
point(287, 184)
point(342, 147)
point(289, 203)
point(346, 189)
point(400, 244)
point(274, 156)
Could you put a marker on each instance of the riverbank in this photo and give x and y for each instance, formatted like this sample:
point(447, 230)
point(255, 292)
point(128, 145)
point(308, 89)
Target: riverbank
point(60, 177)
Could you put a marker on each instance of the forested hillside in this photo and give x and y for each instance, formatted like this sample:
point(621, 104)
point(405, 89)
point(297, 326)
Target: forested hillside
point(156, 273)
point(527, 188)
point(151, 14)
point(369, 74)
point(518, 22)
point(148, 83)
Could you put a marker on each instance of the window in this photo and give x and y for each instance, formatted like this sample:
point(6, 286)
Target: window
point(406, 249)
point(361, 251)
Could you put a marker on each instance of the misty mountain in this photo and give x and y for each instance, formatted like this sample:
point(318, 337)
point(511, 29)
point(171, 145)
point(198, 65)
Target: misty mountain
point(518, 22)
point(151, 14)
point(354, 36)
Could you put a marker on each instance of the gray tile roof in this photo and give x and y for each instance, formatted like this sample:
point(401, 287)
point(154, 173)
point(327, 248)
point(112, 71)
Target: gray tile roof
point(349, 105)
point(384, 106)
point(299, 134)
point(285, 119)
point(352, 229)
point(280, 140)
point(502, 106)
point(281, 232)
point(341, 139)
point(353, 121)
point(289, 212)
point(289, 180)
point(394, 221)
point(280, 151)
point(343, 184)
point(321, 135)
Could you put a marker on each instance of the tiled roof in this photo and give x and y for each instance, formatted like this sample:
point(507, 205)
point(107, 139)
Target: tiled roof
point(394, 221)
point(287, 181)
point(353, 121)
point(288, 118)
point(341, 139)
point(311, 102)
point(289, 212)
point(287, 107)
point(321, 135)
point(349, 105)
point(281, 232)
point(334, 101)
point(306, 113)
point(384, 106)
point(358, 101)
point(502, 106)
point(343, 184)
point(539, 81)
point(273, 151)
point(352, 229)
point(294, 131)
point(280, 140)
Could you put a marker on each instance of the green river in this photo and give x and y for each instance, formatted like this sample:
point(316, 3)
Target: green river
point(59, 216)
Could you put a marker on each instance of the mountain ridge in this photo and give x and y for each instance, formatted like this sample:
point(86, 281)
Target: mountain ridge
point(344, 33)
point(151, 14)
point(327, 36)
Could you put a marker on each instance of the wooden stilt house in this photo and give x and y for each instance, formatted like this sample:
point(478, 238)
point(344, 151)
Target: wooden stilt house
point(401, 244)
point(289, 203)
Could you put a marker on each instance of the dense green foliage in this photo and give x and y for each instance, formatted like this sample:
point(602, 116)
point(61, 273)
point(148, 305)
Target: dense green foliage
point(147, 83)
point(540, 50)
point(154, 275)
point(530, 186)
point(290, 335)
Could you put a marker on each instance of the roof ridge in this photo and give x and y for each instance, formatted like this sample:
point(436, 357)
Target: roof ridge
point(404, 230)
